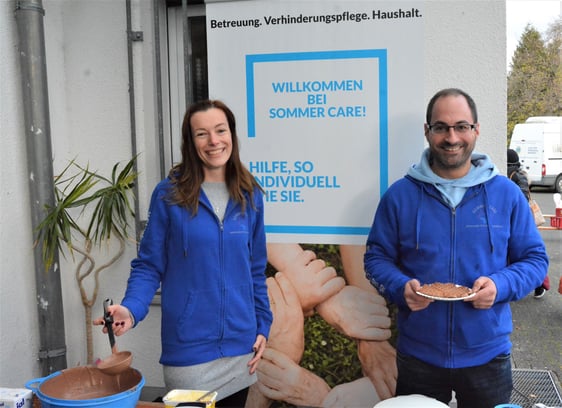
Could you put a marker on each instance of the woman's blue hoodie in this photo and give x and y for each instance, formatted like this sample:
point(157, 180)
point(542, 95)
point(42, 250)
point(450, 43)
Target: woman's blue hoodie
point(438, 230)
point(211, 275)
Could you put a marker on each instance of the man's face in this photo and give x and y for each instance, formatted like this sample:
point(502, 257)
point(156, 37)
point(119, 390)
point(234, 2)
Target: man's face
point(451, 149)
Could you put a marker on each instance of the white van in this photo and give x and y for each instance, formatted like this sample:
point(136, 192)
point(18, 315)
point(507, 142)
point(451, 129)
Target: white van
point(538, 142)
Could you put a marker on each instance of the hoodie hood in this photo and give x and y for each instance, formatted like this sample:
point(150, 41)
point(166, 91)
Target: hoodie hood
point(453, 190)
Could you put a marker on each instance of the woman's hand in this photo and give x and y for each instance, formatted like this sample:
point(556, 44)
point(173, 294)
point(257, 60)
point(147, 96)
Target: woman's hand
point(259, 348)
point(122, 319)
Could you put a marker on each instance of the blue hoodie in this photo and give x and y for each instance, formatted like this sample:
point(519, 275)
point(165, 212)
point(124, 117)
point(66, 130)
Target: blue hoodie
point(438, 230)
point(212, 278)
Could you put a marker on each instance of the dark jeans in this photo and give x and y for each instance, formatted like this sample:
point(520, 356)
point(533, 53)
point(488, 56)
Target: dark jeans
point(482, 386)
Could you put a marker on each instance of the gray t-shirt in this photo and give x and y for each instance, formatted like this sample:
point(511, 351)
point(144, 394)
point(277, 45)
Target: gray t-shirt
point(212, 375)
point(217, 193)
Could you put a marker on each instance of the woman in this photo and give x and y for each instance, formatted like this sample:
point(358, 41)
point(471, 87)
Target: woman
point(204, 245)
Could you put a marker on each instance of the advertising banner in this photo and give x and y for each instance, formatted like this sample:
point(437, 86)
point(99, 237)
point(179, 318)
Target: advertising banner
point(328, 97)
point(329, 103)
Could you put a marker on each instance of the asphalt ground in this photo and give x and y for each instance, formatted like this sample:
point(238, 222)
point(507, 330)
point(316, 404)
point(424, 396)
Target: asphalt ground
point(537, 334)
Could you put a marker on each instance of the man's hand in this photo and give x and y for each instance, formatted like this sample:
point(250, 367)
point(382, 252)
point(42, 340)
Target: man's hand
point(415, 302)
point(486, 293)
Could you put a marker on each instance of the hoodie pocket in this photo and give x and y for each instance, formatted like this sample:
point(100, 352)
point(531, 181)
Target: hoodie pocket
point(481, 327)
point(240, 311)
point(199, 321)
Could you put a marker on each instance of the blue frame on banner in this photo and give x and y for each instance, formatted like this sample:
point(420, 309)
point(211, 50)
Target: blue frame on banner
point(379, 54)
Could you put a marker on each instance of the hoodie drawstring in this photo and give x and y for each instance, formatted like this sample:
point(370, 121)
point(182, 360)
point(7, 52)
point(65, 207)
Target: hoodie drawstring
point(487, 212)
point(185, 228)
point(418, 217)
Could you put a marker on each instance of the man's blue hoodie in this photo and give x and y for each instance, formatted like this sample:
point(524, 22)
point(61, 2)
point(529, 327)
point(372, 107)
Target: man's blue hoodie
point(439, 230)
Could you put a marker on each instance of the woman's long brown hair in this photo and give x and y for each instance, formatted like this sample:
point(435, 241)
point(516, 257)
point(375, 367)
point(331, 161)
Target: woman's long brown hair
point(188, 175)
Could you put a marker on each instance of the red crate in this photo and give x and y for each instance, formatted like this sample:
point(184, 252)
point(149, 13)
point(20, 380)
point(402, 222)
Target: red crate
point(559, 213)
point(556, 222)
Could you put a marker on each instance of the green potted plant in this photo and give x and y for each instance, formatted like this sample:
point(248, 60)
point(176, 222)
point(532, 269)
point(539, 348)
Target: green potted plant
point(103, 205)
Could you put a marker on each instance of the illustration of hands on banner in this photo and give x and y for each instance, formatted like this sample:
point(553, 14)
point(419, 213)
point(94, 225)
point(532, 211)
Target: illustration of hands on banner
point(302, 286)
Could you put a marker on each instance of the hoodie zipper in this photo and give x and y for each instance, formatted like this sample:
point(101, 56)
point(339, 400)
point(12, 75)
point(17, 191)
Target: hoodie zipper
point(206, 203)
point(223, 290)
point(452, 279)
point(222, 272)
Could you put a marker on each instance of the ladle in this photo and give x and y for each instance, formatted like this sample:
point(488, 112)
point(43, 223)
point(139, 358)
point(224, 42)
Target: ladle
point(118, 361)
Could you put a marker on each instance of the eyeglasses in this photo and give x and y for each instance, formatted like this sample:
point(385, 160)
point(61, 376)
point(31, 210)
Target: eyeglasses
point(440, 128)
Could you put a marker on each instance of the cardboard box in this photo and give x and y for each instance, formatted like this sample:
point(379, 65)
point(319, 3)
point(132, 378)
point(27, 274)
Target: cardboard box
point(16, 398)
point(175, 397)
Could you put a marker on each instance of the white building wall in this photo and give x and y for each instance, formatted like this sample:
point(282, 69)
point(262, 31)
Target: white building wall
point(94, 127)
point(86, 49)
point(87, 67)
point(19, 335)
point(465, 42)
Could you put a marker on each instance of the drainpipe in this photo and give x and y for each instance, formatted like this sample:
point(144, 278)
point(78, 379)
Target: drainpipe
point(133, 36)
point(187, 55)
point(29, 18)
point(158, 84)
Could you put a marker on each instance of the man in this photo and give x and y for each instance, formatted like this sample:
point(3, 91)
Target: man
point(453, 219)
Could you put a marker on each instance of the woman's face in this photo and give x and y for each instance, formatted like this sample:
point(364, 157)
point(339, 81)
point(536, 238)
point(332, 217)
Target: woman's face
point(213, 142)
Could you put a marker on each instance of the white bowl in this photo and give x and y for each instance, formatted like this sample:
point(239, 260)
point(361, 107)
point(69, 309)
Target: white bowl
point(410, 401)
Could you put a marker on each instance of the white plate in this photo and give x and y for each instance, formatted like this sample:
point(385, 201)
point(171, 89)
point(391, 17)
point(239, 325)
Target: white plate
point(449, 299)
